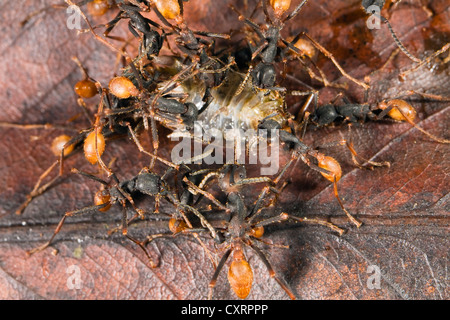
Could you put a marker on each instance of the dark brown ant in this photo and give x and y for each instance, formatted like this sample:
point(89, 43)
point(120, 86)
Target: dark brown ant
point(243, 229)
point(269, 50)
point(146, 183)
point(327, 166)
point(179, 222)
point(238, 234)
point(240, 230)
point(194, 47)
point(396, 109)
point(151, 42)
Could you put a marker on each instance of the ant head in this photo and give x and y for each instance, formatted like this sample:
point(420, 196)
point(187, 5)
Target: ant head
point(98, 7)
point(240, 274)
point(170, 9)
point(122, 87)
point(176, 225)
point(230, 175)
point(280, 7)
point(59, 143)
point(102, 197)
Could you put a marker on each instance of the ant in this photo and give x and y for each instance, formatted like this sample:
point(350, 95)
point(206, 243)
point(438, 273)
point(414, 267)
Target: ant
point(327, 166)
point(243, 229)
point(151, 106)
point(396, 109)
point(239, 231)
point(187, 41)
point(117, 192)
point(264, 74)
point(194, 47)
point(146, 183)
point(179, 222)
point(151, 42)
point(368, 6)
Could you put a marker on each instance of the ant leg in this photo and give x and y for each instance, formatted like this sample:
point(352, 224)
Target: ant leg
point(219, 268)
point(61, 223)
point(212, 35)
point(366, 164)
point(91, 29)
point(350, 217)
point(272, 272)
point(258, 203)
point(320, 222)
point(38, 189)
point(196, 190)
point(90, 176)
point(141, 149)
point(203, 220)
point(155, 137)
point(334, 61)
point(427, 60)
point(197, 237)
point(279, 218)
point(295, 11)
point(141, 244)
point(248, 22)
point(75, 140)
point(244, 82)
point(398, 42)
point(209, 175)
point(35, 13)
point(424, 95)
